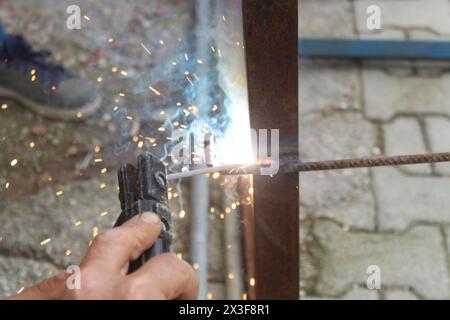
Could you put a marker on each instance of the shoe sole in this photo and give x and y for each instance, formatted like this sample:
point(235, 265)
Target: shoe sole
point(51, 112)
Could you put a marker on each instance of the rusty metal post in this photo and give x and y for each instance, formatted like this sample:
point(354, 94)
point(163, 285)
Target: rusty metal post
point(271, 42)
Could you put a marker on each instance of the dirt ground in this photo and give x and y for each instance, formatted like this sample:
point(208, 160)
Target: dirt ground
point(57, 197)
point(107, 49)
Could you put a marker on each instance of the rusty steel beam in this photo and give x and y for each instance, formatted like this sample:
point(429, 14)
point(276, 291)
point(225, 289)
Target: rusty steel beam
point(271, 42)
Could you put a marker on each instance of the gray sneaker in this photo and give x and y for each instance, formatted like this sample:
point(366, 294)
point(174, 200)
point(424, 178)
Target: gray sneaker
point(42, 86)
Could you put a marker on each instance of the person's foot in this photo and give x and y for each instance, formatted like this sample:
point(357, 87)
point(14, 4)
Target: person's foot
point(42, 86)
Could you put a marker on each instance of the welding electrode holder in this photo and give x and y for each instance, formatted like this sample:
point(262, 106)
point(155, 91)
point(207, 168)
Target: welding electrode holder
point(143, 189)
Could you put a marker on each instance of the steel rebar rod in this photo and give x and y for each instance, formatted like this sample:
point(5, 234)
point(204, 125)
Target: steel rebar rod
point(292, 164)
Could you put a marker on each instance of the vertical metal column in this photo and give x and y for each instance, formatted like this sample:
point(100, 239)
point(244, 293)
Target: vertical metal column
point(200, 184)
point(271, 42)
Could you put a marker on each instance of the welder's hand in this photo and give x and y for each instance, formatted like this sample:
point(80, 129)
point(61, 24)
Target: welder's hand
point(104, 269)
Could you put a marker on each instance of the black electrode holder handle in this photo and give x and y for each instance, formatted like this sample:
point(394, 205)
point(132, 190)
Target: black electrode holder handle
point(142, 189)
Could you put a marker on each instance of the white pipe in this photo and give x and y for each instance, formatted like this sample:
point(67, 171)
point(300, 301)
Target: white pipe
point(233, 250)
point(200, 184)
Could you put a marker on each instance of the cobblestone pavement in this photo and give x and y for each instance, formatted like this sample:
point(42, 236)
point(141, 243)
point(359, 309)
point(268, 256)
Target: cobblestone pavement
point(395, 218)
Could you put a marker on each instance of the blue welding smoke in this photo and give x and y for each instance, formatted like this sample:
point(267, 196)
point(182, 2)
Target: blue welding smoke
point(205, 101)
point(203, 89)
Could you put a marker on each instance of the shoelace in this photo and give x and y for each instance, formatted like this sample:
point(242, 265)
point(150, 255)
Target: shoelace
point(19, 53)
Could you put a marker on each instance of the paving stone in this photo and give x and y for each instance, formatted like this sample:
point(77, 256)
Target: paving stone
point(341, 195)
point(404, 136)
point(423, 34)
point(438, 130)
point(386, 95)
point(404, 259)
point(388, 34)
point(308, 271)
point(399, 295)
point(323, 18)
point(429, 68)
point(308, 265)
point(328, 86)
point(19, 272)
point(361, 294)
point(447, 235)
point(25, 224)
point(354, 294)
point(395, 68)
point(336, 135)
point(403, 200)
point(432, 14)
point(304, 214)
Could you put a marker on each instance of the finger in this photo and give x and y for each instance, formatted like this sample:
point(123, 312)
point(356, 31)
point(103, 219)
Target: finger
point(50, 289)
point(163, 277)
point(115, 248)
